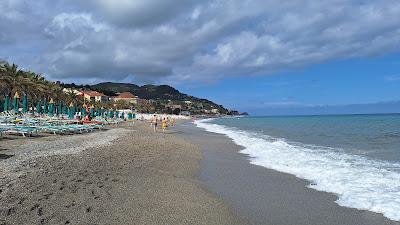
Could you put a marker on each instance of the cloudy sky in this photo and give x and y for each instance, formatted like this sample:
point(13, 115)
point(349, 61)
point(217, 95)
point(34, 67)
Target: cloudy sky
point(237, 52)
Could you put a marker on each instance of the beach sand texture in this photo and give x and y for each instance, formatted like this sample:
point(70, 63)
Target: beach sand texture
point(121, 176)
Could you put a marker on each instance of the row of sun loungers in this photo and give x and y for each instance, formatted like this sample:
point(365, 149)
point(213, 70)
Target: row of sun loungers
point(27, 126)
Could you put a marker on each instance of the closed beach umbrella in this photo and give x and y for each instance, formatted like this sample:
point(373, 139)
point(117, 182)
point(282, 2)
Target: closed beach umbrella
point(130, 116)
point(39, 107)
point(59, 108)
point(111, 114)
point(83, 110)
point(16, 102)
point(65, 109)
point(25, 104)
point(71, 111)
point(122, 115)
point(92, 111)
point(6, 103)
point(51, 108)
point(45, 106)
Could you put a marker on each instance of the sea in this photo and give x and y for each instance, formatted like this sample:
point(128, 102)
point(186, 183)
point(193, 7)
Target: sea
point(356, 157)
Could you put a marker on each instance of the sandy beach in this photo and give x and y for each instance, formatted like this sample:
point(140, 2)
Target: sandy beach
point(126, 175)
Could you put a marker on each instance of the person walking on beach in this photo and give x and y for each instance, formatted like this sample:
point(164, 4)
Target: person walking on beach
point(154, 122)
point(164, 124)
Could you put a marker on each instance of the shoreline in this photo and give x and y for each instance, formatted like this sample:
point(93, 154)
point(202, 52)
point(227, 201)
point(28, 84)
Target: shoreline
point(265, 196)
point(138, 177)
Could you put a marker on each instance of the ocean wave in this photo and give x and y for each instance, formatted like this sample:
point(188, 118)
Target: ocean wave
point(358, 182)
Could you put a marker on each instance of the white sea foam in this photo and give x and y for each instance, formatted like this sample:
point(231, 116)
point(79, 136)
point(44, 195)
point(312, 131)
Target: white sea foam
point(358, 182)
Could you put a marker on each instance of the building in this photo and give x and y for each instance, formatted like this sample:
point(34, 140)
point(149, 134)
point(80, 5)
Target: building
point(95, 96)
point(215, 111)
point(70, 90)
point(127, 97)
point(185, 113)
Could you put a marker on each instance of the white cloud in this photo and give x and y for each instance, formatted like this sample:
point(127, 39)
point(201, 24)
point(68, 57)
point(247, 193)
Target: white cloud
point(177, 41)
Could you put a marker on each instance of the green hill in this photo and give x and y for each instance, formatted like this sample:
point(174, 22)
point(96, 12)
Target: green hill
point(161, 94)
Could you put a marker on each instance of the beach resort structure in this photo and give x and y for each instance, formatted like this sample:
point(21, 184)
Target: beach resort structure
point(127, 97)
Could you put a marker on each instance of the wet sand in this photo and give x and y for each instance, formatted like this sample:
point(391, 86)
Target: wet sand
point(263, 196)
point(121, 176)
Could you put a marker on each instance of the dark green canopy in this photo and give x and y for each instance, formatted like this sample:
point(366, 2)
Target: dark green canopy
point(25, 104)
point(6, 103)
point(39, 107)
point(71, 111)
point(51, 108)
point(45, 106)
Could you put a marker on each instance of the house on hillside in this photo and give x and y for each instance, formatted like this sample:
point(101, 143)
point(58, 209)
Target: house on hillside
point(215, 111)
point(127, 97)
point(95, 96)
point(70, 90)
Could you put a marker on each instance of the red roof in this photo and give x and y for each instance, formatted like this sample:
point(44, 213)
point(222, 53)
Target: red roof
point(93, 93)
point(126, 95)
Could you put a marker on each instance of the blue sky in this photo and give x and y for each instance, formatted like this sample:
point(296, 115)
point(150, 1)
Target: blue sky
point(264, 57)
point(364, 82)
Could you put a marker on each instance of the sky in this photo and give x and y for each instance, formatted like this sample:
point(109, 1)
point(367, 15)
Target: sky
point(263, 57)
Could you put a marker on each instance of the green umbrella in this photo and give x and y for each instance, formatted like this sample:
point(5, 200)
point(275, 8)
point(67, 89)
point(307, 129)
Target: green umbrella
point(6, 103)
point(92, 111)
point(65, 109)
point(1, 108)
point(122, 115)
point(59, 108)
point(25, 104)
point(51, 108)
point(39, 107)
point(111, 114)
point(71, 111)
point(16, 102)
point(45, 106)
point(83, 110)
point(130, 116)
